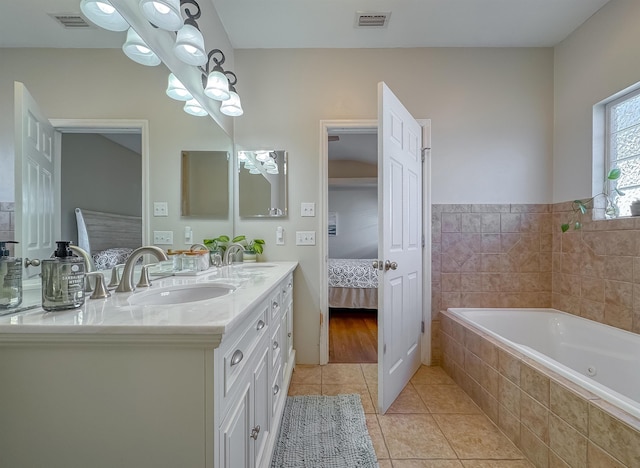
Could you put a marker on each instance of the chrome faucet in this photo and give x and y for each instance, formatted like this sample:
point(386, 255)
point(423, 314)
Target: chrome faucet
point(227, 253)
point(126, 282)
point(198, 246)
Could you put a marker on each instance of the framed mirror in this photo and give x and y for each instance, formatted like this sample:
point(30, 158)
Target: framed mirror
point(262, 183)
point(204, 188)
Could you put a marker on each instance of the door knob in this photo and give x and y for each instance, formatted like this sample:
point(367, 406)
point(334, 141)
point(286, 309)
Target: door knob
point(34, 262)
point(388, 265)
point(377, 265)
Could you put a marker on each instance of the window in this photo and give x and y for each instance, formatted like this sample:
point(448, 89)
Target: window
point(622, 148)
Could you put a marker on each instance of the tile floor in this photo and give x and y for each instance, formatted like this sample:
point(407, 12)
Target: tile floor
point(432, 424)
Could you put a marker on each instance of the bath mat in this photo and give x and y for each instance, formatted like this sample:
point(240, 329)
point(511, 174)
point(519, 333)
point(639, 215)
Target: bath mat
point(324, 432)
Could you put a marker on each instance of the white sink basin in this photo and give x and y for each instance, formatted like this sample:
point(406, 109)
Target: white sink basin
point(181, 294)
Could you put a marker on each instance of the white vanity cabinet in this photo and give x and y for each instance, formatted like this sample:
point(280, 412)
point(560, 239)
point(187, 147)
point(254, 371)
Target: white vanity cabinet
point(253, 401)
point(196, 386)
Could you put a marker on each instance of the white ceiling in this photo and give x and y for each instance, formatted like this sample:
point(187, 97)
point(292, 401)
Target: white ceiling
point(330, 23)
point(354, 146)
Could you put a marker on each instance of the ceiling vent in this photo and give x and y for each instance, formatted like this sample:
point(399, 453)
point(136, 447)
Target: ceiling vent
point(368, 19)
point(70, 20)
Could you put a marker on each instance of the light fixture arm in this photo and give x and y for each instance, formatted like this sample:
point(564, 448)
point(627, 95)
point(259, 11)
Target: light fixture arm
point(232, 82)
point(191, 17)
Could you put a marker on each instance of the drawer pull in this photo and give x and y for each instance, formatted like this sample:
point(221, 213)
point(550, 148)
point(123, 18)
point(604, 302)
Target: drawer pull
point(254, 432)
point(289, 334)
point(289, 285)
point(276, 389)
point(237, 357)
point(275, 345)
point(275, 305)
point(260, 325)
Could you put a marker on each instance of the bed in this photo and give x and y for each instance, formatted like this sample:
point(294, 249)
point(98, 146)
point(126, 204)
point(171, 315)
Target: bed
point(108, 237)
point(353, 283)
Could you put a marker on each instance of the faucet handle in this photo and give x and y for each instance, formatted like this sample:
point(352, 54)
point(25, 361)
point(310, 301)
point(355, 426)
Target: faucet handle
point(100, 290)
point(144, 282)
point(115, 277)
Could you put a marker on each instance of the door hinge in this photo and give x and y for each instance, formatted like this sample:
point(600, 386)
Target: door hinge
point(423, 241)
point(384, 348)
point(422, 326)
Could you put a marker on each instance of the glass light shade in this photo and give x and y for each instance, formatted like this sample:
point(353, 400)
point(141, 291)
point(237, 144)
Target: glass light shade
point(136, 49)
point(193, 107)
point(272, 170)
point(262, 156)
point(189, 46)
point(176, 90)
point(232, 106)
point(254, 170)
point(164, 14)
point(103, 14)
point(217, 86)
point(242, 156)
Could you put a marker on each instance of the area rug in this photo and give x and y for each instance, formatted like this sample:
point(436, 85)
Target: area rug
point(323, 432)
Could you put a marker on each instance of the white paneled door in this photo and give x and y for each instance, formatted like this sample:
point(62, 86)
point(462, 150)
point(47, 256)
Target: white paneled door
point(35, 164)
point(400, 246)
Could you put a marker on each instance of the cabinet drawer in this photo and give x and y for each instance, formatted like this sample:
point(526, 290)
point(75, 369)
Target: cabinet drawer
point(286, 289)
point(276, 305)
point(276, 345)
point(237, 355)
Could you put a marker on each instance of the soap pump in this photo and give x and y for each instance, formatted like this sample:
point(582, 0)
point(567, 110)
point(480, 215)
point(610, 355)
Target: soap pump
point(10, 279)
point(62, 279)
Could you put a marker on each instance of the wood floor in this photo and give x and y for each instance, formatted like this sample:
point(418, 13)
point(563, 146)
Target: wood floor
point(353, 335)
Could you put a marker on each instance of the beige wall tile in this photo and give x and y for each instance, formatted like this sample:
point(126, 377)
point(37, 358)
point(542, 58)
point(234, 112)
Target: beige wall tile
point(614, 436)
point(598, 458)
point(570, 407)
point(567, 442)
point(534, 383)
point(535, 416)
point(533, 448)
point(509, 424)
point(509, 366)
point(509, 395)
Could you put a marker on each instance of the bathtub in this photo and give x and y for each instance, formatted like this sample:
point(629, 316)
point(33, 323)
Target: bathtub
point(599, 358)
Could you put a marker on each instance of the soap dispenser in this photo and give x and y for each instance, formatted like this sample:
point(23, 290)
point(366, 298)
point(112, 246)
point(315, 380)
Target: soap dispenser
point(62, 279)
point(10, 279)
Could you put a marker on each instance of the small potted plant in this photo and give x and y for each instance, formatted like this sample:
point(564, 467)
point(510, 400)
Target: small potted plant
point(580, 207)
point(251, 248)
point(219, 244)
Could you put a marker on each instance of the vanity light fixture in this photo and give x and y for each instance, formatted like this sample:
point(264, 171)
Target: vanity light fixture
point(164, 14)
point(103, 14)
point(176, 90)
point(193, 107)
point(136, 49)
point(232, 106)
point(189, 46)
point(217, 86)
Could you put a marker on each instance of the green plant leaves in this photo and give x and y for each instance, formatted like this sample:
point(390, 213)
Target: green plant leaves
point(614, 174)
point(564, 227)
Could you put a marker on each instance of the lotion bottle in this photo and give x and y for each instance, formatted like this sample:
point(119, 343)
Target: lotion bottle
point(10, 279)
point(62, 279)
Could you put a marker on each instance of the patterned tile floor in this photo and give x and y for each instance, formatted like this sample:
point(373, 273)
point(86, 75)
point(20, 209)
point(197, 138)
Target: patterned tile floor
point(432, 424)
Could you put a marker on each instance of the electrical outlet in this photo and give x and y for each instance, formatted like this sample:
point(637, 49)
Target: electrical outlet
point(163, 237)
point(160, 208)
point(307, 209)
point(305, 237)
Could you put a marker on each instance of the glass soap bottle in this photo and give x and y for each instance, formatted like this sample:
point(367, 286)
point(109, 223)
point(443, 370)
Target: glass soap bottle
point(62, 279)
point(10, 279)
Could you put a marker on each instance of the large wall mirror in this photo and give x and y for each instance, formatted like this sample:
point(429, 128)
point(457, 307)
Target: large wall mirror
point(204, 191)
point(262, 183)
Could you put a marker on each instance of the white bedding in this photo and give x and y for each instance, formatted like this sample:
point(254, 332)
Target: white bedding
point(353, 283)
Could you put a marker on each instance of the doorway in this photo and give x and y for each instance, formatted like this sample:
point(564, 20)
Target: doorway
point(352, 203)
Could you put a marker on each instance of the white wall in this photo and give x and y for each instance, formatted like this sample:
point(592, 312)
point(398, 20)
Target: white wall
point(491, 112)
point(599, 59)
point(357, 220)
point(105, 84)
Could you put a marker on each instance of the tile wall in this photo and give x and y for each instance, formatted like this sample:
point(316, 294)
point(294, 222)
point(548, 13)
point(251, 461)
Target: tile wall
point(554, 422)
point(517, 256)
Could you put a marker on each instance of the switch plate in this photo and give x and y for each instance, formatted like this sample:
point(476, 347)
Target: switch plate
point(163, 237)
point(279, 235)
point(307, 209)
point(188, 235)
point(160, 208)
point(305, 237)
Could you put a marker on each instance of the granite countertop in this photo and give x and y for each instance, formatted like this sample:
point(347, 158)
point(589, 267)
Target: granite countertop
point(116, 317)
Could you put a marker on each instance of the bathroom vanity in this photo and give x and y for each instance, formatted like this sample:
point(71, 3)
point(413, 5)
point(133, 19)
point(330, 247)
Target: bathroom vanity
point(198, 383)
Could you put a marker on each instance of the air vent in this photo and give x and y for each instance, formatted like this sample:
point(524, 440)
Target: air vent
point(70, 20)
point(365, 19)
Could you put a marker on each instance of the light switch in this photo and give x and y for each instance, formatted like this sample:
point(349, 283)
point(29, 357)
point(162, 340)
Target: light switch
point(305, 237)
point(279, 235)
point(163, 237)
point(307, 209)
point(188, 235)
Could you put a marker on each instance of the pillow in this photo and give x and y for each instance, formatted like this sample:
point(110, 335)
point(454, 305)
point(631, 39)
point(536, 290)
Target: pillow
point(109, 258)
